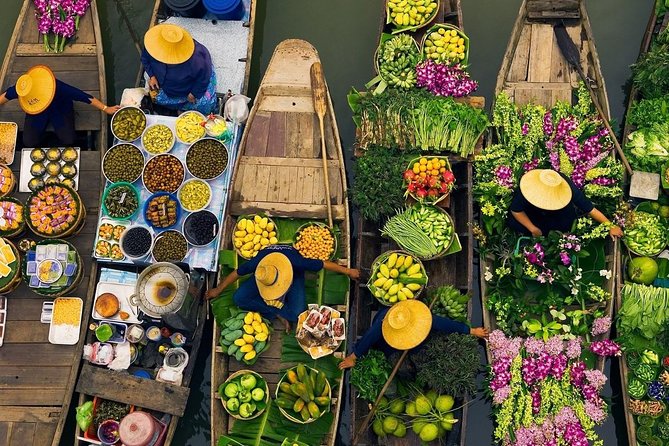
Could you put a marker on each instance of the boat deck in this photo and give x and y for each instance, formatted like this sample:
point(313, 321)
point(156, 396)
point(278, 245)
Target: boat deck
point(36, 377)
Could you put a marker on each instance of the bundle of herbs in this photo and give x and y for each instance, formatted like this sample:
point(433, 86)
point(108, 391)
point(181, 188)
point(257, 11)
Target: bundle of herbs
point(651, 73)
point(448, 363)
point(370, 373)
point(379, 185)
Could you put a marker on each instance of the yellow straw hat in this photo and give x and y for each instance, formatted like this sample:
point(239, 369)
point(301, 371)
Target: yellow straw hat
point(36, 89)
point(545, 189)
point(170, 44)
point(274, 275)
point(407, 324)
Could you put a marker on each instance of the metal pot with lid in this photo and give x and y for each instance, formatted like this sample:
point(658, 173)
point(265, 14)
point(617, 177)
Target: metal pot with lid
point(161, 289)
point(138, 429)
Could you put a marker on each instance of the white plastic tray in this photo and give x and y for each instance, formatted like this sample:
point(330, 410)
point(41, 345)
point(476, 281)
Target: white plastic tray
point(63, 333)
point(122, 292)
point(26, 162)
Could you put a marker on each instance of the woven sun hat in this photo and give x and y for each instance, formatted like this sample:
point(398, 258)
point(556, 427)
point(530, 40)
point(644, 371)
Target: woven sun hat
point(407, 324)
point(274, 275)
point(169, 44)
point(36, 89)
point(545, 189)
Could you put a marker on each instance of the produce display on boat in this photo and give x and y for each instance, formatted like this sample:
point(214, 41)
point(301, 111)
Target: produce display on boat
point(397, 276)
point(52, 268)
point(244, 395)
point(54, 210)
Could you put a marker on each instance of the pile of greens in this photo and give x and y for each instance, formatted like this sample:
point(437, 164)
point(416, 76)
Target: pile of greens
point(448, 363)
point(644, 310)
point(370, 373)
point(650, 74)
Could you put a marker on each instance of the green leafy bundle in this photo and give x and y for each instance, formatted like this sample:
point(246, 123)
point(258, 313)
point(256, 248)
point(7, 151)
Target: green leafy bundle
point(448, 363)
point(644, 310)
point(649, 111)
point(651, 73)
point(370, 373)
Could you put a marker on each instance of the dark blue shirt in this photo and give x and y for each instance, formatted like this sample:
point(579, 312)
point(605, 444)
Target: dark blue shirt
point(62, 104)
point(177, 80)
point(374, 336)
point(300, 264)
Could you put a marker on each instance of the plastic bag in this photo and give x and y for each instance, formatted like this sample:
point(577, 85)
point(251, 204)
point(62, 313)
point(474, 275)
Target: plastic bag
point(85, 415)
point(237, 109)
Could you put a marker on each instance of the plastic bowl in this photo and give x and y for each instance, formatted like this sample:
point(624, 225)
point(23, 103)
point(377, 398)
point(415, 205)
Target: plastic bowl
point(146, 130)
point(156, 157)
point(211, 120)
point(146, 208)
point(121, 110)
point(195, 180)
point(111, 149)
point(227, 154)
point(108, 432)
point(123, 237)
point(104, 200)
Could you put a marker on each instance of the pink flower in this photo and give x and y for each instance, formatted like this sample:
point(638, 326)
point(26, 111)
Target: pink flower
point(500, 395)
point(573, 349)
point(595, 411)
point(565, 258)
point(607, 347)
point(601, 325)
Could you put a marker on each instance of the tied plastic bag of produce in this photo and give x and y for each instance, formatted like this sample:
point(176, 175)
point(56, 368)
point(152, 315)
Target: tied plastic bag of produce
point(237, 109)
point(85, 415)
point(133, 96)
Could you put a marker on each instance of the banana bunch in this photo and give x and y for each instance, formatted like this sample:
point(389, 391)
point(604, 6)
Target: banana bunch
point(252, 234)
point(245, 336)
point(411, 12)
point(398, 278)
point(451, 303)
point(398, 57)
point(304, 393)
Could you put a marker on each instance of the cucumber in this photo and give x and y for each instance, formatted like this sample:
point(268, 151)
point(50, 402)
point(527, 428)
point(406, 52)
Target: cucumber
point(232, 349)
point(239, 355)
point(233, 335)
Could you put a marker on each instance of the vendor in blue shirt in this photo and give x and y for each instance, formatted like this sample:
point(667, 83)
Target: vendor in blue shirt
point(277, 288)
point(547, 201)
point(404, 326)
point(179, 69)
point(47, 100)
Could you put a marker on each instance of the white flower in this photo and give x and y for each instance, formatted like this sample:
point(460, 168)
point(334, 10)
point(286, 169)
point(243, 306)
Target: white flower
point(488, 274)
point(574, 291)
point(605, 273)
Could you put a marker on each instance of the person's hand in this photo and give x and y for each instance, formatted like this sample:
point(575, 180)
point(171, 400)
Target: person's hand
point(212, 293)
point(191, 98)
point(536, 232)
point(354, 273)
point(615, 231)
point(285, 323)
point(347, 362)
point(111, 109)
point(479, 332)
point(153, 83)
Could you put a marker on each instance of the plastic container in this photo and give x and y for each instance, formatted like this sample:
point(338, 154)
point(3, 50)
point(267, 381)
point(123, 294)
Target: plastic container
point(187, 8)
point(123, 236)
point(225, 9)
point(104, 200)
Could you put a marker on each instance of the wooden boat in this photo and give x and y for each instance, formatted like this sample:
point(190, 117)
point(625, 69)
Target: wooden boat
point(534, 70)
point(655, 26)
point(279, 172)
point(37, 378)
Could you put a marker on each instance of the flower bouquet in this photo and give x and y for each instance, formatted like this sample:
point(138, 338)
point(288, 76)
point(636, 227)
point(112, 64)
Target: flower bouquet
point(60, 18)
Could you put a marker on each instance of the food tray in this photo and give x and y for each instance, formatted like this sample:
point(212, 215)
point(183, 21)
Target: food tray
point(26, 162)
point(122, 291)
point(13, 130)
point(285, 412)
point(316, 351)
point(119, 336)
point(112, 241)
point(3, 318)
point(65, 334)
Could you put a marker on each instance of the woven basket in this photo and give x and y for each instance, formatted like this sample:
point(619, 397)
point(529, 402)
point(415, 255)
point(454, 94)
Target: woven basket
point(287, 414)
point(464, 62)
point(448, 245)
point(56, 293)
point(13, 182)
point(400, 28)
point(375, 269)
point(250, 217)
point(16, 280)
point(322, 225)
point(441, 197)
point(385, 37)
point(74, 229)
point(638, 253)
point(266, 399)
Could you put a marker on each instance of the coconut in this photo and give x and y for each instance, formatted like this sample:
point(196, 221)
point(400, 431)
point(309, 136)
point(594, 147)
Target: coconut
point(642, 270)
point(411, 409)
point(377, 427)
point(447, 421)
point(401, 431)
point(390, 424)
point(432, 395)
point(418, 426)
point(396, 407)
point(444, 403)
point(423, 405)
point(429, 432)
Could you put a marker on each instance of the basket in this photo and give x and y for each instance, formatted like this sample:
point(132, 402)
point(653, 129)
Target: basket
point(624, 239)
point(22, 225)
point(250, 217)
point(104, 200)
point(265, 400)
point(322, 225)
point(62, 291)
point(76, 226)
point(285, 412)
point(400, 28)
point(375, 269)
point(322, 351)
point(377, 80)
point(464, 62)
point(120, 111)
point(12, 181)
point(441, 197)
point(447, 247)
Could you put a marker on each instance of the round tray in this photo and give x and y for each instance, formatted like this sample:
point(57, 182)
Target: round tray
point(265, 400)
point(638, 253)
point(76, 226)
point(227, 160)
point(450, 243)
point(185, 233)
point(146, 165)
point(193, 180)
point(111, 125)
point(441, 197)
point(176, 133)
point(401, 28)
point(375, 269)
point(464, 62)
point(61, 291)
point(250, 217)
point(381, 43)
point(146, 208)
point(322, 225)
point(174, 139)
point(12, 180)
point(22, 225)
point(106, 192)
point(112, 149)
point(285, 413)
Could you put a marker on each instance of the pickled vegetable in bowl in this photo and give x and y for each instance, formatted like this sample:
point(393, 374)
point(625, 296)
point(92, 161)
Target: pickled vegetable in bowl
point(189, 127)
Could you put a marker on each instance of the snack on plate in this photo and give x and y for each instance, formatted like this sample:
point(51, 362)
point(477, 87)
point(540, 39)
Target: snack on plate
point(338, 329)
point(326, 315)
point(53, 210)
point(107, 305)
point(11, 215)
point(312, 321)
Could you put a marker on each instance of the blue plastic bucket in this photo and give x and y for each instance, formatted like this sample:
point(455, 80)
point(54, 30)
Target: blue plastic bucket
point(187, 8)
point(225, 9)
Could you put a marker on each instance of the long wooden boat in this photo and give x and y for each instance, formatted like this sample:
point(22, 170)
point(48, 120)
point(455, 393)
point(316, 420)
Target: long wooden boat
point(534, 70)
point(655, 26)
point(279, 172)
point(37, 378)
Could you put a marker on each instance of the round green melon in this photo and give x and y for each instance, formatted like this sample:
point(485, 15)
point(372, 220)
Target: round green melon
point(642, 270)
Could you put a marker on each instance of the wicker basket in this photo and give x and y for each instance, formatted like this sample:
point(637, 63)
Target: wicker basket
point(375, 269)
point(287, 414)
point(63, 291)
point(250, 217)
point(322, 225)
point(401, 28)
point(448, 245)
point(74, 229)
point(266, 399)
point(464, 62)
point(13, 183)
point(441, 197)
point(638, 253)
point(15, 281)
point(384, 38)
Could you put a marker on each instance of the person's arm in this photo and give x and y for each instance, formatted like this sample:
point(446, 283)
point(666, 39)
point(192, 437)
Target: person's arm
point(147, 63)
point(229, 280)
point(522, 218)
point(365, 343)
point(597, 215)
point(110, 110)
point(350, 272)
point(446, 325)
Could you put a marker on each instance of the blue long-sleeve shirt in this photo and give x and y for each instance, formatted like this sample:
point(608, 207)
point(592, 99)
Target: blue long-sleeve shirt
point(62, 104)
point(177, 80)
point(374, 336)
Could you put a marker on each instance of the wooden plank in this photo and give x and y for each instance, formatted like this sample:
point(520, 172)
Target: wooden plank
point(22, 434)
point(62, 62)
point(129, 389)
point(45, 396)
point(83, 80)
point(29, 376)
point(521, 56)
point(5, 430)
point(44, 433)
point(29, 414)
point(276, 140)
point(308, 185)
point(552, 86)
point(29, 31)
point(288, 210)
point(305, 142)
point(36, 355)
point(275, 174)
point(37, 49)
point(541, 47)
point(559, 66)
point(260, 185)
point(287, 90)
point(318, 187)
point(86, 32)
point(257, 134)
point(295, 189)
point(292, 134)
point(27, 332)
point(236, 191)
point(289, 162)
point(287, 178)
point(24, 309)
point(576, 34)
point(291, 104)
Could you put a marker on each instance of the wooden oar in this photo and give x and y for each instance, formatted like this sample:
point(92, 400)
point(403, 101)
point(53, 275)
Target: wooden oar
point(319, 95)
point(573, 57)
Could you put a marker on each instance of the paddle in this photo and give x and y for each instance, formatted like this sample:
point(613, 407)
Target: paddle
point(573, 57)
point(319, 95)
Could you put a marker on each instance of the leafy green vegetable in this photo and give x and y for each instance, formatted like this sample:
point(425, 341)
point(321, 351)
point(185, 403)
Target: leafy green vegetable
point(644, 310)
point(651, 73)
point(370, 373)
point(648, 148)
point(649, 111)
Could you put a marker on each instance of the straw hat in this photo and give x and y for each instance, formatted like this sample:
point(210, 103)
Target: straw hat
point(407, 324)
point(170, 44)
point(36, 89)
point(545, 189)
point(274, 275)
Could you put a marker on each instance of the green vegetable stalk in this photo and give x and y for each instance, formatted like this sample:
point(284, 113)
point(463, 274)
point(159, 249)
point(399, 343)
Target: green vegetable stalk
point(369, 374)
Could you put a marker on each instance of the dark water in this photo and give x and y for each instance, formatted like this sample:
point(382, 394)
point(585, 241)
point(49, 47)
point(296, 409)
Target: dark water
point(344, 31)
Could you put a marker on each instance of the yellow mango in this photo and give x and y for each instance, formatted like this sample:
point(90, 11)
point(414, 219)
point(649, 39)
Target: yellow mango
point(239, 342)
point(250, 355)
point(248, 338)
point(261, 337)
point(246, 348)
point(248, 318)
point(248, 329)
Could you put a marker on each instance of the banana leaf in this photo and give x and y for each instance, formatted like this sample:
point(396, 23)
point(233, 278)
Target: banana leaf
point(223, 307)
point(271, 428)
point(292, 353)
